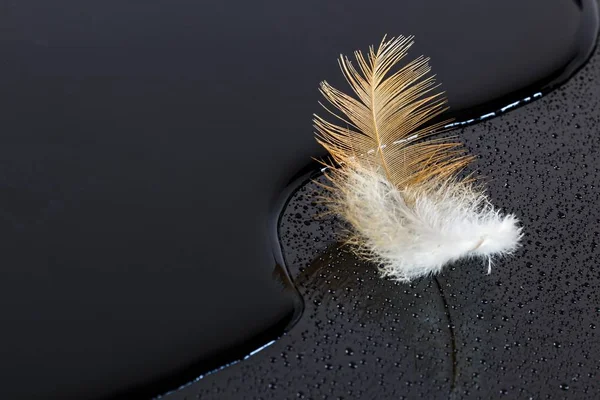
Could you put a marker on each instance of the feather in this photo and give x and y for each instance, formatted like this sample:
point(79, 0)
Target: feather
point(399, 187)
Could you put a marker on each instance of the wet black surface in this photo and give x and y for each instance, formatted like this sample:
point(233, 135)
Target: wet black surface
point(143, 147)
point(528, 330)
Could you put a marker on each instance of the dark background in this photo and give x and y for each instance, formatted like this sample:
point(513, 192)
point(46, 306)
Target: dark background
point(148, 147)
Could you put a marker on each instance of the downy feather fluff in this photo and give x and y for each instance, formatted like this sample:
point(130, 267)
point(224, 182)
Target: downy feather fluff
point(396, 185)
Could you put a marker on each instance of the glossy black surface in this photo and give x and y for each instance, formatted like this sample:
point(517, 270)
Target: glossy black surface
point(144, 152)
point(529, 330)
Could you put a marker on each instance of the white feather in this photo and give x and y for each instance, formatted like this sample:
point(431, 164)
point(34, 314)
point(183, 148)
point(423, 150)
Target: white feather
point(399, 188)
point(415, 232)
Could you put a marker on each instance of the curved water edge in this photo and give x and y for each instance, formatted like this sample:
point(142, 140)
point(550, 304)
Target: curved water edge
point(126, 220)
point(588, 34)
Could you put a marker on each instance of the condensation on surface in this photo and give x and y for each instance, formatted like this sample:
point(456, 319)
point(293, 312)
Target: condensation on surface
point(528, 330)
